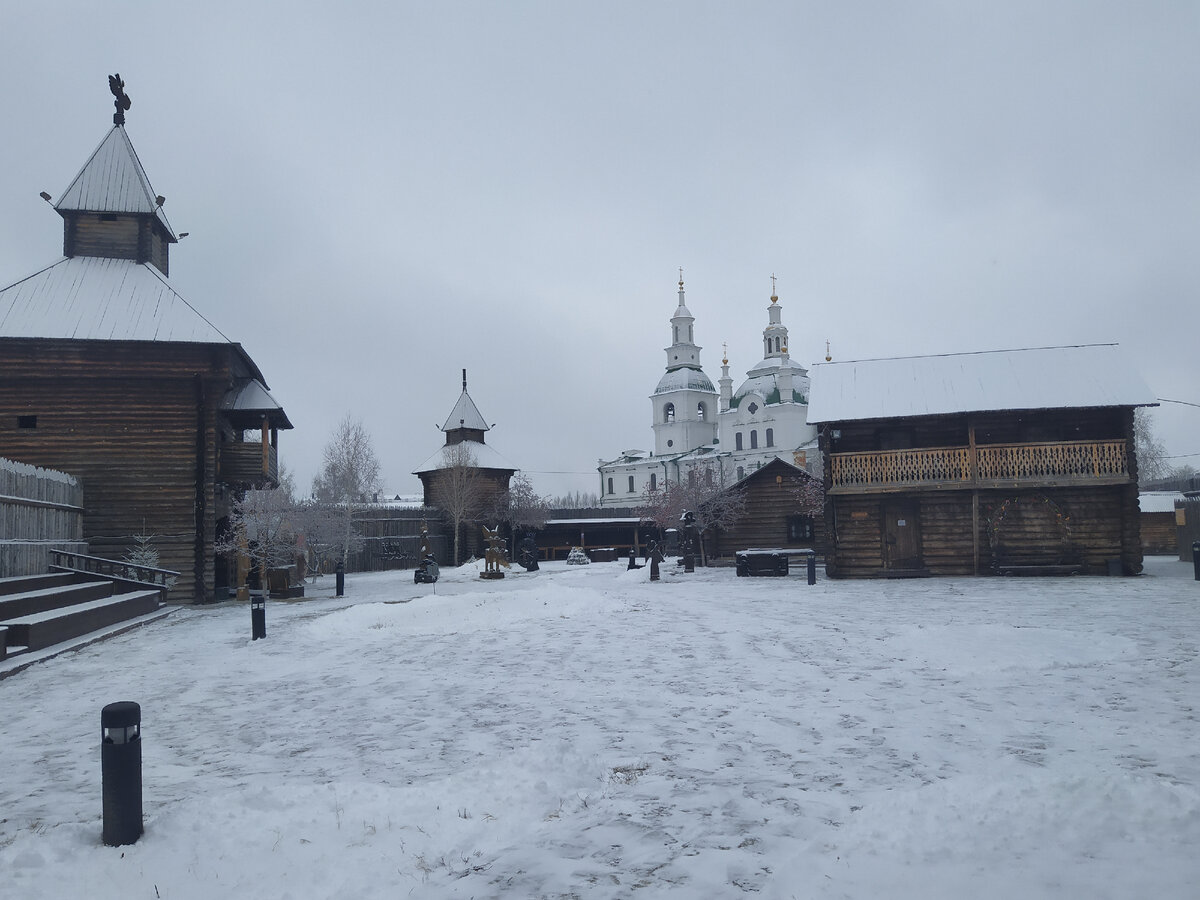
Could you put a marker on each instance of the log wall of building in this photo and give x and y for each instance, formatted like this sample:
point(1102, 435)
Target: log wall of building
point(1085, 526)
point(137, 424)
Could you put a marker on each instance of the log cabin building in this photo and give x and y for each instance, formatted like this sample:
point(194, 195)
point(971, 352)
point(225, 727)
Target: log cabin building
point(107, 373)
point(1012, 462)
point(773, 518)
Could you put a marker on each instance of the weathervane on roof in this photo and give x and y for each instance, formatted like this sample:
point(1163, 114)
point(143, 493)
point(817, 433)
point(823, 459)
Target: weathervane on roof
point(122, 103)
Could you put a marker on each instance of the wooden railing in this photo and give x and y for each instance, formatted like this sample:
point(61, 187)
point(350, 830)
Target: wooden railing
point(113, 568)
point(1069, 462)
point(243, 463)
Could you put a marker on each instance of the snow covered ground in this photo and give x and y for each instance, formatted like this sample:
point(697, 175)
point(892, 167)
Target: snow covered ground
point(581, 732)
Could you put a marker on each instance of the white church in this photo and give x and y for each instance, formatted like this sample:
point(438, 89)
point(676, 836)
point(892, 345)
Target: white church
point(718, 435)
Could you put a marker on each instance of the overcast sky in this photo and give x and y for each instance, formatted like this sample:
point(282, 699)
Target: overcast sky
point(383, 194)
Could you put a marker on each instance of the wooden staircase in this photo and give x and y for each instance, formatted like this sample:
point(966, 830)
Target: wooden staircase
point(38, 611)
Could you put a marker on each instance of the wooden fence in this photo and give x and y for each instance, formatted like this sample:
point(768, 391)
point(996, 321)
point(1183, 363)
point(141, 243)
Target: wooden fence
point(40, 510)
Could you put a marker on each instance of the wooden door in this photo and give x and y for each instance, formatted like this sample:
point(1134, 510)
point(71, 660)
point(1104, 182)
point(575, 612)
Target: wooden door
point(901, 535)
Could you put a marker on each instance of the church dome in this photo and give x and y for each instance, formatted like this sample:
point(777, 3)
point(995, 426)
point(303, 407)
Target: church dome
point(762, 379)
point(684, 379)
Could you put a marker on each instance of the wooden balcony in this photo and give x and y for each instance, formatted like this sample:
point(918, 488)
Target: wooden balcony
point(987, 466)
point(249, 465)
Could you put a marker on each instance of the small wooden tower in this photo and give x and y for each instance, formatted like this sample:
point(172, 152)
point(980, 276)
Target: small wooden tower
point(107, 373)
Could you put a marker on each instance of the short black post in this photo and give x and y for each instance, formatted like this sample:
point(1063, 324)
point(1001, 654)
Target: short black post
point(341, 579)
point(121, 772)
point(258, 616)
point(812, 568)
point(1196, 558)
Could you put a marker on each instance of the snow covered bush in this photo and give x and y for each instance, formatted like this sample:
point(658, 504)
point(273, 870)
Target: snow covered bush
point(577, 557)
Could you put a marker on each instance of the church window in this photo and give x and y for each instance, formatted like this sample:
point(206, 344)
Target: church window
point(777, 345)
point(741, 473)
point(669, 412)
point(753, 440)
point(737, 441)
point(610, 487)
point(753, 407)
point(677, 334)
point(631, 484)
point(653, 481)
point(700, 411)
point(670, 443)
point(708, 477)
point(689, 334)
point(691, 477)
point(770, 437)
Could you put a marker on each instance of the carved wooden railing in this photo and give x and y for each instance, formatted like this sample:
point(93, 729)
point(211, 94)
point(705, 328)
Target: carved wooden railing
point(1069, 462)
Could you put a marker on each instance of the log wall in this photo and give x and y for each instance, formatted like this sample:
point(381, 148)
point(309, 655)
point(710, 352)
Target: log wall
point(136, 422)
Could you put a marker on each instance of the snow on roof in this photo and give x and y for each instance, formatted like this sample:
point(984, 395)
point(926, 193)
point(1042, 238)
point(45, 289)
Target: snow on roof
point(485, 458)
point(252, 396)
point(465, 415)
point(1158, 501)
point(113, 181)
point(684, 378)
point(94, 298)
point(1035, 378)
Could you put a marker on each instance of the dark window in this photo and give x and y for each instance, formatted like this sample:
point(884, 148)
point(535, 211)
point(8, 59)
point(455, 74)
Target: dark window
point(653, 481)
point(741, 473)
point(770, 437)
point(708, 477)
point(753, 440)
point(631, 484)
point(27, 421)
point(669, 412)
point(700, 411)
point(800, 529)
point(753, 407)
point(610, 487)
point(737, 441)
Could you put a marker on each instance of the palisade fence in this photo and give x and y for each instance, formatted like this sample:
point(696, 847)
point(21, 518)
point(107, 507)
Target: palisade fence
point(40, 510)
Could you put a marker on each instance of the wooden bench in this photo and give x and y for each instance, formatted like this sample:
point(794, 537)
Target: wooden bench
point(1005, 562)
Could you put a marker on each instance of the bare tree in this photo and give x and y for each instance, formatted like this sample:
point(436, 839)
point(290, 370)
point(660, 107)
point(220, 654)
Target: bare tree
point(261, 531)
point(1152, 460)
point(520, 507)
point(704, 494)
point(458, 489)
point(350, 475)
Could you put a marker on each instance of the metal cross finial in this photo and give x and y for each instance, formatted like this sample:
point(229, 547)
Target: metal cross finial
point(122, 103)
point(681, 276)
point(772, 284)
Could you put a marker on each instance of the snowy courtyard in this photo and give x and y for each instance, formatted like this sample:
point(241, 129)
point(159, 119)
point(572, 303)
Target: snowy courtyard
point(581, 732)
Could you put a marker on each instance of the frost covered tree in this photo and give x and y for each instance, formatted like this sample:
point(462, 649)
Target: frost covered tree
point(1152, 460)
point(520, 507)
point(703, 492)
point(261, 530)
point(350, 475)
point(459, 489)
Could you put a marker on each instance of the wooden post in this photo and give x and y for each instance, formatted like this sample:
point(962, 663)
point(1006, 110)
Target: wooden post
point(973, 462)
point(266, 447)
